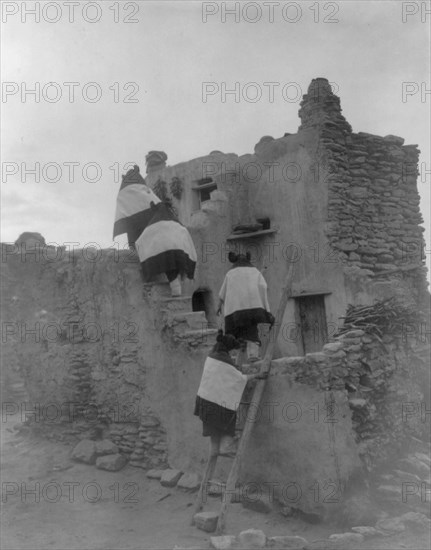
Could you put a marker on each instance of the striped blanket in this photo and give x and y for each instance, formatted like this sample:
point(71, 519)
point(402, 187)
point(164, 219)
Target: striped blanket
point(165, 246)
point(219, 395)
point(133, 212)
point(244, 293)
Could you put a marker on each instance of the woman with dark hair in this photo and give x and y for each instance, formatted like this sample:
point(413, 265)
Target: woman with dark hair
point(244, 296)
point(219, 395)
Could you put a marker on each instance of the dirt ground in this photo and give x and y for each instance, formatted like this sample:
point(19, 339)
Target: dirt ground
point(49, 501)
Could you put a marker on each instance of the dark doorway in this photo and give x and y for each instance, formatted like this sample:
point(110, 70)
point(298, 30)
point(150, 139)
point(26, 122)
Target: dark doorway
point(202, 301)
point(312, 320)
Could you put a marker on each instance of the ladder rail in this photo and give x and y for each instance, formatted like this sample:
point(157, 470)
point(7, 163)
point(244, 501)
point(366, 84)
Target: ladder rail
point(255, 400)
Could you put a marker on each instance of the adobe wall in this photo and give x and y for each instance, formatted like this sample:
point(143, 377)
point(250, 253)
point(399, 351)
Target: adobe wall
point(101, 358)
point(344, 205)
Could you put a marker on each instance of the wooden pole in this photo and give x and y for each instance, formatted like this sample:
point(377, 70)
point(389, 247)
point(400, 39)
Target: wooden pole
point(209, 470)
point(256, 398)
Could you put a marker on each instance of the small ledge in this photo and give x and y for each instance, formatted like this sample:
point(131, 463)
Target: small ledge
point(205, 186)
point(296, 294)
point(261, 233)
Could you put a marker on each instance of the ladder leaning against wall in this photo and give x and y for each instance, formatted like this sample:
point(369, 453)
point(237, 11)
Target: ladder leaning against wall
point(245, 435)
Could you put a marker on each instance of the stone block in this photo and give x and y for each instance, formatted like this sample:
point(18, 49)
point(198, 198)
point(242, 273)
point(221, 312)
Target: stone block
point(189, 482)
point(322, 544)
point(112, 463)
point(347, 538)
point(359, 510)
point(353, 333)
point(367, 531)
point(149, 421)
point(416, 520)
point(252, 538)
point(206, 521)
point(85, 452)
point(414, 465)
point(396, 140)
point(170, 477)
point(155, 474)
point(287, 542)
point(106, 447)
point(391, 525)
point(390, 492)
point(137, 464)
point(332, 347)
point(317, 357)
point(225, 542)
point(257, 505)
point(423, 458)
point(357, 403)
point(406, 476)
point(340, 354)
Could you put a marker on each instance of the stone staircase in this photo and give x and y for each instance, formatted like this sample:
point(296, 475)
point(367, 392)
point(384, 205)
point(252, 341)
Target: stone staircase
point(176, 314)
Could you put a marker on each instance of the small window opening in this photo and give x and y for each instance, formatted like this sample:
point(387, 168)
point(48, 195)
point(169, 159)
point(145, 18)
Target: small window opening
point(203, 189)
point(266, 223)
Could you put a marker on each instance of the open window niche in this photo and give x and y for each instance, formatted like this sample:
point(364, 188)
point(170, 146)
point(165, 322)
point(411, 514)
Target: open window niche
point(202, 191)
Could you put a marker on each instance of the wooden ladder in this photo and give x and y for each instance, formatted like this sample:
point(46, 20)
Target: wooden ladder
point(245, 435)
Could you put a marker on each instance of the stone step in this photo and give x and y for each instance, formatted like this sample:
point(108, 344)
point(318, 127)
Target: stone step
point(202, 337)
point(188, 320)
point(201, 332)
point(158, 288)
point(206, 521)
point(175, 304)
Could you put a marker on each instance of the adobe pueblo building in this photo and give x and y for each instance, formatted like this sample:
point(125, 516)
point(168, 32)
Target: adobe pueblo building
point(122, 360)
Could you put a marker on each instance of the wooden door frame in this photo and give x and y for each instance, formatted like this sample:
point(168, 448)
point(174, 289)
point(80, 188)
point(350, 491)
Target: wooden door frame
point(307, 294)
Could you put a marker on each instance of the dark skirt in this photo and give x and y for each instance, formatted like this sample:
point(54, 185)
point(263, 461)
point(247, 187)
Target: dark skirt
point(243, 323)
point(172, 262)
point(216, 420)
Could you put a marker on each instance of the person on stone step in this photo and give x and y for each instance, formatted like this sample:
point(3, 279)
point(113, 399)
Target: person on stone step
point(244, 297)
point(219, 395)
point(166, 246)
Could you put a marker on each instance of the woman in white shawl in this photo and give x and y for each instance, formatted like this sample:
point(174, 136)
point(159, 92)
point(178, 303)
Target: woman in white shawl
point(219, 395)
point(244, 297)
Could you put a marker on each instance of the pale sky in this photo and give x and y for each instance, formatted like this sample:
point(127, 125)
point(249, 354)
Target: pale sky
point(368, 52)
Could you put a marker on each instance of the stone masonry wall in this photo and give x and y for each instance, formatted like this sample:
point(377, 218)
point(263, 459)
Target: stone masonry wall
point(379, 376)
point(73, 326)
point(373, 203)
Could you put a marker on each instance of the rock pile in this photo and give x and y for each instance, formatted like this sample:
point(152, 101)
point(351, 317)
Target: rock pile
point(104, 454)
point(385, 527)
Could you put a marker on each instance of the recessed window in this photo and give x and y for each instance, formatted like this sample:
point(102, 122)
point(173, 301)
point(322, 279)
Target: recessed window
point(203, 189)
point(266, 223)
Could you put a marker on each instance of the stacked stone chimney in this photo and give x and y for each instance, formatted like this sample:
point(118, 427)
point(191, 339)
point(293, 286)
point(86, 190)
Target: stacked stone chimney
point(373, 214)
